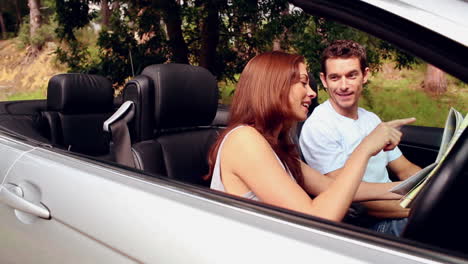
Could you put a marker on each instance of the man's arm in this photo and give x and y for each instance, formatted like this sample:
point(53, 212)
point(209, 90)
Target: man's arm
point(403, 168)
point(380, 208)
point(386, 209)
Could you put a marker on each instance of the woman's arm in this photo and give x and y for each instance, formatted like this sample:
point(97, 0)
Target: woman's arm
point(248, 162)
point(247, 156)
point(333, 197)
point(315, 183)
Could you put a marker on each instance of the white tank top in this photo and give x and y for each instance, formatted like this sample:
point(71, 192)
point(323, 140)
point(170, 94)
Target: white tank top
point(216, 182)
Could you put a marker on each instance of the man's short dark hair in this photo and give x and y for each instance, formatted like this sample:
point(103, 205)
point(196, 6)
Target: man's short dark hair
point(344, 49)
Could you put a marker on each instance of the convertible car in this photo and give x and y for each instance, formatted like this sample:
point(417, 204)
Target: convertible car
point(71, 192)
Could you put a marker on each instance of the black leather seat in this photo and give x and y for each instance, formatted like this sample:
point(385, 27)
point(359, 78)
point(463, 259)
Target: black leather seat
point(140, 90)
point(175, 105)
point(77, 106)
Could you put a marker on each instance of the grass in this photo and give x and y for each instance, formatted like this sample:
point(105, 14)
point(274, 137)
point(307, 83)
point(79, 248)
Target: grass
point(402, 96)
point(391, 103)
point(226, 91)
point(37, 94)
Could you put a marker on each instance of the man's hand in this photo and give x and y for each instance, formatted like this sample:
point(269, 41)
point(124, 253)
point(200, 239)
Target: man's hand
point(395, 126)
point(385, 136)
point(386, 209)
point(398, 123)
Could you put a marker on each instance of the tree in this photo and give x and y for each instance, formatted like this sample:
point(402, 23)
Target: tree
point(435, 81)
point(209, 34)
point(105, 13)
point(2, 25)
point(71, 15)
point(11, 13)
point(18, 14)
point(220, 35)
point(35, 22)
point(279, 39)
point(172, 17)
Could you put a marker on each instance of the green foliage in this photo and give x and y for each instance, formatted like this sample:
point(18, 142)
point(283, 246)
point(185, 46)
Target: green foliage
point(393, 104)
point(75, 56)
point(81, 53)
point(246, 28)
point(367, 96)
point(311, 35)
point(226, 90)
point(121, 55)
point(71, 15)
point(402, 59)
point(23, 34)
point(44, 34)
point(111, 54)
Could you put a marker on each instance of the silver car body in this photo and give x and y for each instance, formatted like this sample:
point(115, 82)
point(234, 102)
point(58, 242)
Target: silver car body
point(446, 17)
point(101, 214)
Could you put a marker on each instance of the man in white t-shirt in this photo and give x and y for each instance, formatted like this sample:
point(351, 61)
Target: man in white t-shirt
point(338, 125)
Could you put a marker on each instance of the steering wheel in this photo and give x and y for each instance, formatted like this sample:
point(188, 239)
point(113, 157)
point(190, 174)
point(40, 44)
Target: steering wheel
point(439, 215)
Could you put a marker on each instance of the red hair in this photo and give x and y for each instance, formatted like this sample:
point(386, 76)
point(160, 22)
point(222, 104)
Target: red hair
point(261, 100)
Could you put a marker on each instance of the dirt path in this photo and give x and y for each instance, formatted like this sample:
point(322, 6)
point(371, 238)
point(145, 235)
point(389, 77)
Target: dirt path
point(17, 78)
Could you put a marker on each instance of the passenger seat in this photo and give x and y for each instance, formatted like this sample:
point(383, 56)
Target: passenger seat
point(185, 103)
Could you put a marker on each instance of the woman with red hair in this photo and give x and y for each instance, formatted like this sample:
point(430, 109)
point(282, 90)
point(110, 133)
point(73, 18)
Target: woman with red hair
point(256, 158)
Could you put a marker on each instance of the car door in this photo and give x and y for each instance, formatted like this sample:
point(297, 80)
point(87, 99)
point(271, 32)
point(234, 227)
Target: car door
point(9, 152)
point(30, 184)
point(421, 144)
point(103, 214)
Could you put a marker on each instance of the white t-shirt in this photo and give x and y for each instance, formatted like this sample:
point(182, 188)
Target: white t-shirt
point(327, 140)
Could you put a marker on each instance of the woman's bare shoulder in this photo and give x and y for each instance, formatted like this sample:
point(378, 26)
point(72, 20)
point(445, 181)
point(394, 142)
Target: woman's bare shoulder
point(246, 143)
point(245, 136)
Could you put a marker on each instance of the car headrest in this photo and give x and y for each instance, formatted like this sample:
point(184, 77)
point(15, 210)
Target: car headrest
point(185, 95)
point(76, 93)
point(140, 90)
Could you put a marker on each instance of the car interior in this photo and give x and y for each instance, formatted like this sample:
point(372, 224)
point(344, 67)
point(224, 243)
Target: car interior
point(177, 119)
